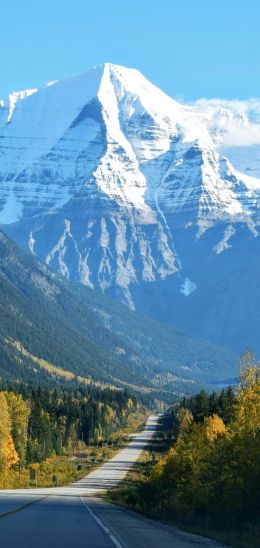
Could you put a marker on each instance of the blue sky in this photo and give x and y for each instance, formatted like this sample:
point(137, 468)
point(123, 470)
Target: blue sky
point(189, 48)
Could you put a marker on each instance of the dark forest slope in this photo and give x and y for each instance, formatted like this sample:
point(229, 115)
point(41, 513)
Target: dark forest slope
point(49, 325)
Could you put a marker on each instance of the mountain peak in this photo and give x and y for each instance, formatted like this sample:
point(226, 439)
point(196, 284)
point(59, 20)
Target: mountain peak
point(113, 183)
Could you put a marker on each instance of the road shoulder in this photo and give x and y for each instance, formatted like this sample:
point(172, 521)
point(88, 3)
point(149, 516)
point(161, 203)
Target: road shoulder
point(134, 530)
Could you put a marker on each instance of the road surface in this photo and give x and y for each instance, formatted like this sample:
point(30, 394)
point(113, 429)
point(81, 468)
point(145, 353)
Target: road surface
point(75, 516)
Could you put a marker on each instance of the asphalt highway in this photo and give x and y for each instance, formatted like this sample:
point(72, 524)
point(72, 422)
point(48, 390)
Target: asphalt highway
point(75, 516)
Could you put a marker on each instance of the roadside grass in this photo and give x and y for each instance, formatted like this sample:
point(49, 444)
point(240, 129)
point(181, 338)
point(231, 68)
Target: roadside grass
point(59, 470)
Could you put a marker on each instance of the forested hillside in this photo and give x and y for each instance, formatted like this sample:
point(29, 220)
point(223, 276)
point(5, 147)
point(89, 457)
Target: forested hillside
point(53, 331)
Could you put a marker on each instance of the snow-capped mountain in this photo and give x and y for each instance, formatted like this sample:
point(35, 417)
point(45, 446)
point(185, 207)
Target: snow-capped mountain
point(112, 182)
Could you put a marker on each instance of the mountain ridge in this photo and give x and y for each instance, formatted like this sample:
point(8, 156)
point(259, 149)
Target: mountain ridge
point(113, 183)
point(54, 326)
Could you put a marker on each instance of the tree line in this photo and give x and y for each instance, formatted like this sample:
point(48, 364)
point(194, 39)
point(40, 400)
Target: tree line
point(35, 424)
point(211, 472)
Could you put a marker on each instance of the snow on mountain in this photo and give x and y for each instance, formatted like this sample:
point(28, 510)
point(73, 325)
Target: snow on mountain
point(113, 183)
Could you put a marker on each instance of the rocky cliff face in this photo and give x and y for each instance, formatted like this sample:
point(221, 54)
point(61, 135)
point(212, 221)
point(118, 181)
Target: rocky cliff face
point(113, 183)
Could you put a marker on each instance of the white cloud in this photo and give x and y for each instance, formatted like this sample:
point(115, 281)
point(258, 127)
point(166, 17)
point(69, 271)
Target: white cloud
point(241, 136)
point(231, 123)
point(246, 106)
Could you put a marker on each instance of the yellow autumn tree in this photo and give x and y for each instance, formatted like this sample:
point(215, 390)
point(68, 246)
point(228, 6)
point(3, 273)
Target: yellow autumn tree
point(185, 419)
point(213, 427)
point(8, 454)
point(11, 453)
point(242, 481)
point(19, 411)
point(247, 409)
point(184, 472)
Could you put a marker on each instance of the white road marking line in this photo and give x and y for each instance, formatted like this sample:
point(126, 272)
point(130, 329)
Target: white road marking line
point(103, 527)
